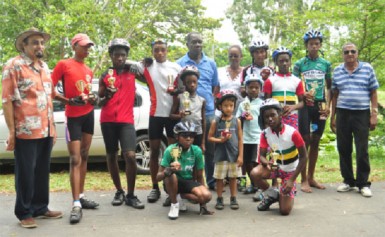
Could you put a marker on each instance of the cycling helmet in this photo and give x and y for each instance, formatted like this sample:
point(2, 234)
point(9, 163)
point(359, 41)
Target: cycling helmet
point(281, 50)
point(118, 42)
point(312, 34)
point(189, 70)
point(253, 77)
point(258, 45)
point(185, 127)
point(270, 103)
point(224, 94)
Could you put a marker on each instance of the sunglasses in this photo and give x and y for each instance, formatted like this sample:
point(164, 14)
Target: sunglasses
point(346, 52)
point(187, 134)
point(234, 56)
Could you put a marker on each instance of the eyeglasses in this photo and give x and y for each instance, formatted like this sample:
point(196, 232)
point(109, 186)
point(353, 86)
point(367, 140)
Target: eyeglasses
point(346, 52)
point(234, 56)
point(187, 134)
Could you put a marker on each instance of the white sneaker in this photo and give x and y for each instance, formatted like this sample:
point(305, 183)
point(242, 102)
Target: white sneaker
point(182, 204)
point(366, 192)
point(345, 188)
point(174, 211)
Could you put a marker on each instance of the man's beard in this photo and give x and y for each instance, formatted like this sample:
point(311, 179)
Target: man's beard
point(39, 55)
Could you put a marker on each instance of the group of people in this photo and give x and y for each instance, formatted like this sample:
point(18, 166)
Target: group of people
point(221, 124)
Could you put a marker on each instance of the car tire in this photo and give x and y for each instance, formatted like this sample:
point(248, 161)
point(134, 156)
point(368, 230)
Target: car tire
point(143, 153)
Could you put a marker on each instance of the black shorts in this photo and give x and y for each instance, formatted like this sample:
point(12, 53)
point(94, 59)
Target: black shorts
point(250, 152)
point(198, 140)
point(310, 115)
point(113, 133)
point(156, 125)
point(186, 186)
point(77, 125)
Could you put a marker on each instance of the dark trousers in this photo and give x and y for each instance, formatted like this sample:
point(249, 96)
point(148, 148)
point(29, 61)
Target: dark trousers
point(32, 165)
point(353, 124)
point(209, 155)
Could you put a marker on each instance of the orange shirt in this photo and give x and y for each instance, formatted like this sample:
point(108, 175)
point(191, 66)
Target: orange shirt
point(31, 91)
point(75, 77)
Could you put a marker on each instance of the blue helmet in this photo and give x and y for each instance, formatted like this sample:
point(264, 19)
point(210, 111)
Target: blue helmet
point(312, 34)
point(281, 50)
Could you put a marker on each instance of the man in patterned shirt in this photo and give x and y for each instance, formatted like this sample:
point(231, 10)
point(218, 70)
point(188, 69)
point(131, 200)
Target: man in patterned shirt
point(27, 103)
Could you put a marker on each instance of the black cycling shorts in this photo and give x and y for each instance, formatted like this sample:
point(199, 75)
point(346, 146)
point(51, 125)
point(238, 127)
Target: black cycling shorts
point(310, 115)
point(113, 133)
point(156, 125)
point(250, 152)
point(186, 186)
point(77, 125)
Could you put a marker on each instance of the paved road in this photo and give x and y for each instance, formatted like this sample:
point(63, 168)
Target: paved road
point(322, 213)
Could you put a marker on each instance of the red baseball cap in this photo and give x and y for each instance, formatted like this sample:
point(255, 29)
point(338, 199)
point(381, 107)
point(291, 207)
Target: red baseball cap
point(81, 39)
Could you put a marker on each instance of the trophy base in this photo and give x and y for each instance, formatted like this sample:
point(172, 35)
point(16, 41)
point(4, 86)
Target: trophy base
point(322, 117)
point(170, 89)
point(91, 96)
point(249, 117)
point(187, 112)
point(225, 133)
point(274, 167)
point(112, 89)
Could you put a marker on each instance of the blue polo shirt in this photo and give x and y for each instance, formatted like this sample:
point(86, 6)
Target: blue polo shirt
point(354, 90)
point(207, 80)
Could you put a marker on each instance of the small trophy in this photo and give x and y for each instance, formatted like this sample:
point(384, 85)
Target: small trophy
point(176, 153)
point(247, 114)
point(312, 91)
point(81, 86)
point(322, 107)
point(89, 87)
point(265, 73)
point(111, 80)
point(171, 87)
point(226, 131)
point(274, 156)
point(186, 103)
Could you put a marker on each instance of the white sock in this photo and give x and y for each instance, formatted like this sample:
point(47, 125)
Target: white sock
point(81, 195)
point(77, 204)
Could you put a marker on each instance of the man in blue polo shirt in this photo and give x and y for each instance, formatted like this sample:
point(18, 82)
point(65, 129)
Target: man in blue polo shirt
point(208, 86)
point(355, 104)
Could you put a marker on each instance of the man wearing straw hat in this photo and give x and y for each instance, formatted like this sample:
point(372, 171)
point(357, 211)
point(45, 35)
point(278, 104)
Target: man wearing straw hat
point(27, 103)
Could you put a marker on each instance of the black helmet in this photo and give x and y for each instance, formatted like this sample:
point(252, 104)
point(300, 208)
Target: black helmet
point(270, 103)
point(118, 42)
point(186, 126)
point(312, 34)
point(189, 70)
point(224, 94)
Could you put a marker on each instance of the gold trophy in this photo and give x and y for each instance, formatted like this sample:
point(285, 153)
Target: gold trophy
point(226, 131)
point(111, 80)
point(312, 91)
point(186, 103)
point(170, 87)
point(247, 108)
point(81, 86)
point(176, 153)
point(322, 107)
point(274, 156)
point(89, 87)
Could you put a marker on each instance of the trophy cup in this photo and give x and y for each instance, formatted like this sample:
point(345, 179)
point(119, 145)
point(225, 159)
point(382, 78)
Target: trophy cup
point(312, 91)
point(226, 131)
point(111, 80)
point(176, 153)
point(81, 86)
point(322, 107)
point(171, 87)
point(265, 73)
point(274, 155)
point(247, 114)
point(186, 103)
point(89, 87)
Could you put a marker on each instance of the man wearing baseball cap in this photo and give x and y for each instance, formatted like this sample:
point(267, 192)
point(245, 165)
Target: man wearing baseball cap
point(76, 78)
point(27, 104)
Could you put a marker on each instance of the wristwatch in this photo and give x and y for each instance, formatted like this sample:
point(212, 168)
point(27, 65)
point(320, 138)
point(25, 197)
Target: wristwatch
point(375, 110)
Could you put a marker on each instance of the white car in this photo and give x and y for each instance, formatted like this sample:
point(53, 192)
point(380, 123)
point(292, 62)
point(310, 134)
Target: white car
point(97, 151)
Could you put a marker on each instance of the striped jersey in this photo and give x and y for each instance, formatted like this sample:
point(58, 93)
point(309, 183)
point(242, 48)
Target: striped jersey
point(285, 143)
point(354, 89)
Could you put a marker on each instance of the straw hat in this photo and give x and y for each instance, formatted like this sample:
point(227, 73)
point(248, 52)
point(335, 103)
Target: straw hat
point(22, 36)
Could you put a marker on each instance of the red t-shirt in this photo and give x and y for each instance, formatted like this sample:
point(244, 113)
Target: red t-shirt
point(120, 108)
point(75, 77)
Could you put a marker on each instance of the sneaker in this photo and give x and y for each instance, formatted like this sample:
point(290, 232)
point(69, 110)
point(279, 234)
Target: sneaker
point(51, 215)
point(76, 215)
point(167, 202)
point(242, 185)
point(258, 196)
point(219, 205)
point(345, 188)
point(153, 196)
point(366, 192)
point(134, 202)
point(28, 223)
point(233, 203)
point(88, 204)
point(182, 204)
point(266, 203)
point(174, 211)
point(118, 199)
point(249, 190)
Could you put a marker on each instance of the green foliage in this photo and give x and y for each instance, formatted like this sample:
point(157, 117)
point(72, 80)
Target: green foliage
point(139, 21)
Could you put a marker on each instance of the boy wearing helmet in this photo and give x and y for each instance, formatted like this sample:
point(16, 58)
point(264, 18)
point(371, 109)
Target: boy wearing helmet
point(288, 157)
point(182, 162)
point(226, 133)
point(285, 87)
point(117, 121)
point(315, 73)
point(189, 106)
point(248, 112)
